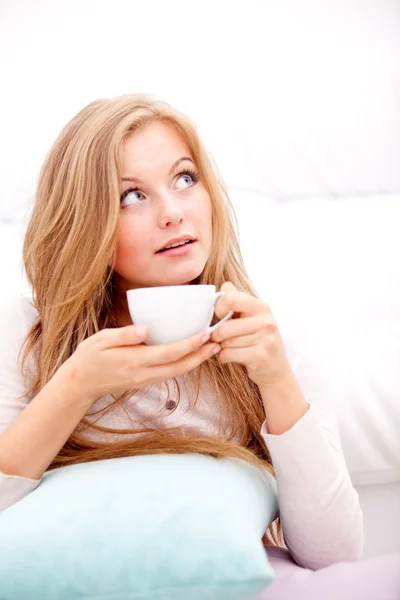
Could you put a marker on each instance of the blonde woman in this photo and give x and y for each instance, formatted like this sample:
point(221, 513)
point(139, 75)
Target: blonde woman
point(126, 178)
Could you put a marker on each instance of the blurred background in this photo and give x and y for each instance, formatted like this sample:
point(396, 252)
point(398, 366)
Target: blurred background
point(297, 101)
point(299, 104)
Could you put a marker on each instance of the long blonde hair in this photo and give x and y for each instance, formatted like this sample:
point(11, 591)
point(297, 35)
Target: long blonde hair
point(69, 245)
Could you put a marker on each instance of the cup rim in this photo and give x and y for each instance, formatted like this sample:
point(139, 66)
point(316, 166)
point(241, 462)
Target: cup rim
point(162, 287)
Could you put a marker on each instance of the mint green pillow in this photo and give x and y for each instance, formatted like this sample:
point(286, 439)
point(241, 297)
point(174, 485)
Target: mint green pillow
point(159, 527)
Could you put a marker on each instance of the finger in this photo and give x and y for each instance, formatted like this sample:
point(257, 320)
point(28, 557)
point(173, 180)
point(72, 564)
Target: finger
point(162, 354)
point(236, 355)
point(130, 335)
point(244, 326)
point(184, 364)
point(242, 341)
point(240, 302)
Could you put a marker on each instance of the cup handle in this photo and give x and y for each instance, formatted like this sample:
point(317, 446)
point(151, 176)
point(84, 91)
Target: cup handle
point(228, 316)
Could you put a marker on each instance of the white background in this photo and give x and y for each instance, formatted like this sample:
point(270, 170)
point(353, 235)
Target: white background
point(293, 98)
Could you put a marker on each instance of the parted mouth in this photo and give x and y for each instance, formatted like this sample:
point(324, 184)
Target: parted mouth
point(176, 242)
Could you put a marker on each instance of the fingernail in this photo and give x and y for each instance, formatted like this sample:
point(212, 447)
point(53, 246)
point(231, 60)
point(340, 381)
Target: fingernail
point(205, 338)
point(216, 349)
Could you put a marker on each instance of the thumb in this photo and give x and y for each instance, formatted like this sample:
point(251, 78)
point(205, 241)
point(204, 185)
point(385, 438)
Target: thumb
point(125, 336)
point(221, 308)
point(227, 286)
point(141, 331)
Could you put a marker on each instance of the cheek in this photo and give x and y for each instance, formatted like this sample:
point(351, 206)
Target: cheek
point(127, 243)
point(201, 212)
point(207, 220)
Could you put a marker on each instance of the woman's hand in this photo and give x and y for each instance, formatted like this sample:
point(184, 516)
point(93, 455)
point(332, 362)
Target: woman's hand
point(115, 360)
point(251, 337)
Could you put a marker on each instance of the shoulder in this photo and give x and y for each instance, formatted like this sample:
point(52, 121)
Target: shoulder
point(17, 315)
point(17, 306)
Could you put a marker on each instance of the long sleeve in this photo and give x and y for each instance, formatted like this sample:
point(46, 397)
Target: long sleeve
point(319, 508)
point(16, 316)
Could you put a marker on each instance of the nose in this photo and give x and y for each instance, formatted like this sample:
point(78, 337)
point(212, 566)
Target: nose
point(169, 212)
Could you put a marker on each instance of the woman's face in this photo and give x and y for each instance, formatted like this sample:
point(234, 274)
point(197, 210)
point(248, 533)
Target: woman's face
point(162, 198)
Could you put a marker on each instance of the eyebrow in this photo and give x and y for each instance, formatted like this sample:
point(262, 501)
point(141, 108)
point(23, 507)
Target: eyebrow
point(176, 163)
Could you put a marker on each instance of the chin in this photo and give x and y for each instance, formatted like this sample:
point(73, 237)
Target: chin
point(188, 278)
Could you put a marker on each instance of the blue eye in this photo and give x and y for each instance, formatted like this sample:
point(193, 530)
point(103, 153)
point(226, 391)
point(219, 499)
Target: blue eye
point(134, 193)
point(188, 177)
point(185, 179)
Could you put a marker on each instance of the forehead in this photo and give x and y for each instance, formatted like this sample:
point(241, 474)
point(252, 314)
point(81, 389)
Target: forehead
point(157, 144)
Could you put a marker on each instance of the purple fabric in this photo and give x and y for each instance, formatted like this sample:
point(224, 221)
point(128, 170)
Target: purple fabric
point(375, 578)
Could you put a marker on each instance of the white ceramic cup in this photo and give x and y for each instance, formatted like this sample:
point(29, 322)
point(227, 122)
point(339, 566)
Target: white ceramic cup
point(174, 312)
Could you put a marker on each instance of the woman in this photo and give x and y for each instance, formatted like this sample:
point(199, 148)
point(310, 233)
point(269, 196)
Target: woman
point(126, 178)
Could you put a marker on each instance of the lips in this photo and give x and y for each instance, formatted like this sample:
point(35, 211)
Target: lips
point(182, 238)
point(181, 246)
